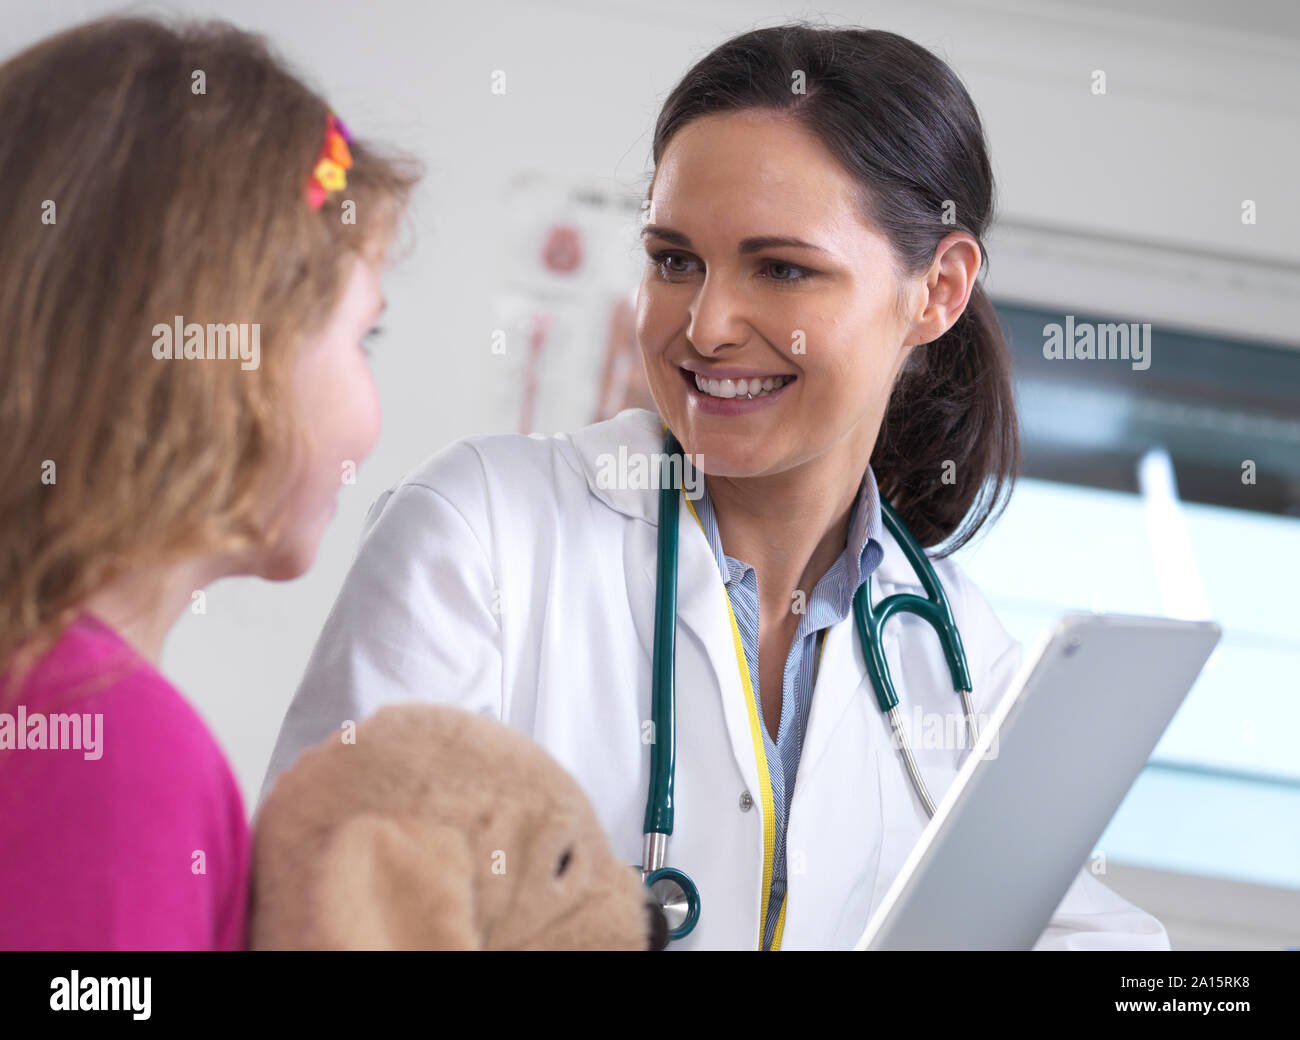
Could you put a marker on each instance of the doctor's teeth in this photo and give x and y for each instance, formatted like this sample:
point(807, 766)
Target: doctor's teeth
point(740, 387)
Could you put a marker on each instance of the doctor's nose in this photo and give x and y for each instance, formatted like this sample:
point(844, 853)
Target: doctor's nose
point(716, 321)
point(658, 925)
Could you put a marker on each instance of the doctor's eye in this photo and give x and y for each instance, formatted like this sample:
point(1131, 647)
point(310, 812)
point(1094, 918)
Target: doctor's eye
point(564, 862)
point(672, 265)
point(782, 271)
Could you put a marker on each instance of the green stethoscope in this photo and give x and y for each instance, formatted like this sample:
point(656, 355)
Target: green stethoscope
point(674, 891)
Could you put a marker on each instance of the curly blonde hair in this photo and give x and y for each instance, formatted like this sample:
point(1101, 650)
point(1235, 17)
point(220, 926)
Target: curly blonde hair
point(154, 169)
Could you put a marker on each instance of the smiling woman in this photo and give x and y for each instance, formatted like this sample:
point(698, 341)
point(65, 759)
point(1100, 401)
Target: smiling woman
point(812, 326)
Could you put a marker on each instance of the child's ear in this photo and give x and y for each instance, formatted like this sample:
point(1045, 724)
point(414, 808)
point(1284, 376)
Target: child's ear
point(390, 885)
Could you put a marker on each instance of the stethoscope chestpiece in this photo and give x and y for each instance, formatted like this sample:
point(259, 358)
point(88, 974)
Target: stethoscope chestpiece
point(679, 899)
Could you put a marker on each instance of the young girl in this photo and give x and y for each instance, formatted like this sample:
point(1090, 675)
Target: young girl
point(192, 254)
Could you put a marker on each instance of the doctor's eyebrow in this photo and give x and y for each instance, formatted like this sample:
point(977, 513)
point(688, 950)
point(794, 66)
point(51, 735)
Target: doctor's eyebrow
point(747, 245)
point(667, 234)
point(757, 245)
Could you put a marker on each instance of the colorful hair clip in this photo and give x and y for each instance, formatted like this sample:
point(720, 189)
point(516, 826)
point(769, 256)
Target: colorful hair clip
point(335, 159)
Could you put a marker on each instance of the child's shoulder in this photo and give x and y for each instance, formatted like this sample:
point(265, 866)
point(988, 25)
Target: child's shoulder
point(117, 806)
point(94, 706)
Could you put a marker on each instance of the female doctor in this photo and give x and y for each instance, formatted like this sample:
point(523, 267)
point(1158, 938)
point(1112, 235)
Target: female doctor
point(815, 338)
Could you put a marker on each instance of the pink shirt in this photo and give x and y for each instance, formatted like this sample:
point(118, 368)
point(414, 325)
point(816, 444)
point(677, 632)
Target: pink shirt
point(131, 835)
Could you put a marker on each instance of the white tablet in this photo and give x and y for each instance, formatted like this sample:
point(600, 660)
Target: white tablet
point(1017, 825)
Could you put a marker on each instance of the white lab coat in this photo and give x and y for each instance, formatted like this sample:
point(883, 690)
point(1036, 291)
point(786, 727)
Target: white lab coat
point(500, 577)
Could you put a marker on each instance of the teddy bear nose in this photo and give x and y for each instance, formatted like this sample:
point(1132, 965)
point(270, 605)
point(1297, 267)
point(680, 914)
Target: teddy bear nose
point(658, 925)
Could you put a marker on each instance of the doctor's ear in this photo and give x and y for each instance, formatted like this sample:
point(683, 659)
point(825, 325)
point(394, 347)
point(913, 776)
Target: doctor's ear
point(390, 885)
point(941, 294)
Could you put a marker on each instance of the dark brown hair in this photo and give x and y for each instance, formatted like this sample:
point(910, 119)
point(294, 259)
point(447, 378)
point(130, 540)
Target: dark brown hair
point(173, 194)
point(901, 123)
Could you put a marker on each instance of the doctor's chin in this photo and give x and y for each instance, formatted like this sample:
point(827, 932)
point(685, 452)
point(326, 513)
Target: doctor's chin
point(702, 495)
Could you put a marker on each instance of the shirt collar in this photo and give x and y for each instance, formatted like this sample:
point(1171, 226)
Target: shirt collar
point(863, 550)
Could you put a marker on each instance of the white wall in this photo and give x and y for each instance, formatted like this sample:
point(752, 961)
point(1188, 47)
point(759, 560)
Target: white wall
point(1196, 119)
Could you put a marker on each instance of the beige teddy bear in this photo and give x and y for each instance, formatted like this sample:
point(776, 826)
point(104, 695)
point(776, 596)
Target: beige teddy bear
point(439, 829)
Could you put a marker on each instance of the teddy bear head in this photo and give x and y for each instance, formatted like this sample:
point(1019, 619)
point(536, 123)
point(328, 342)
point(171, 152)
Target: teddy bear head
point(429, 827)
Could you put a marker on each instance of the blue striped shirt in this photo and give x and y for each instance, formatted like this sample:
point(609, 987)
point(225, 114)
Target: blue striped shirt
point(830, 602)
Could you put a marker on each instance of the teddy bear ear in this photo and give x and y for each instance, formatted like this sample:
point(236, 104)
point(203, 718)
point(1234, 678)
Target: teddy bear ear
point(386, 884)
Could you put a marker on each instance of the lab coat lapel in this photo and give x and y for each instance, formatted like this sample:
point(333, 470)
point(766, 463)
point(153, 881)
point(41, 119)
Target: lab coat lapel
point(841, 677)
point(701, 594)
point(702, 612)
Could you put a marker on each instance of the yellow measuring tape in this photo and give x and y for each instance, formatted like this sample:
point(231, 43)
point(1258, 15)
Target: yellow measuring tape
point(760, 756)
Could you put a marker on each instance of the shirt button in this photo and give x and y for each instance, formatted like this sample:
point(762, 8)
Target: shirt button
point(746, 802)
